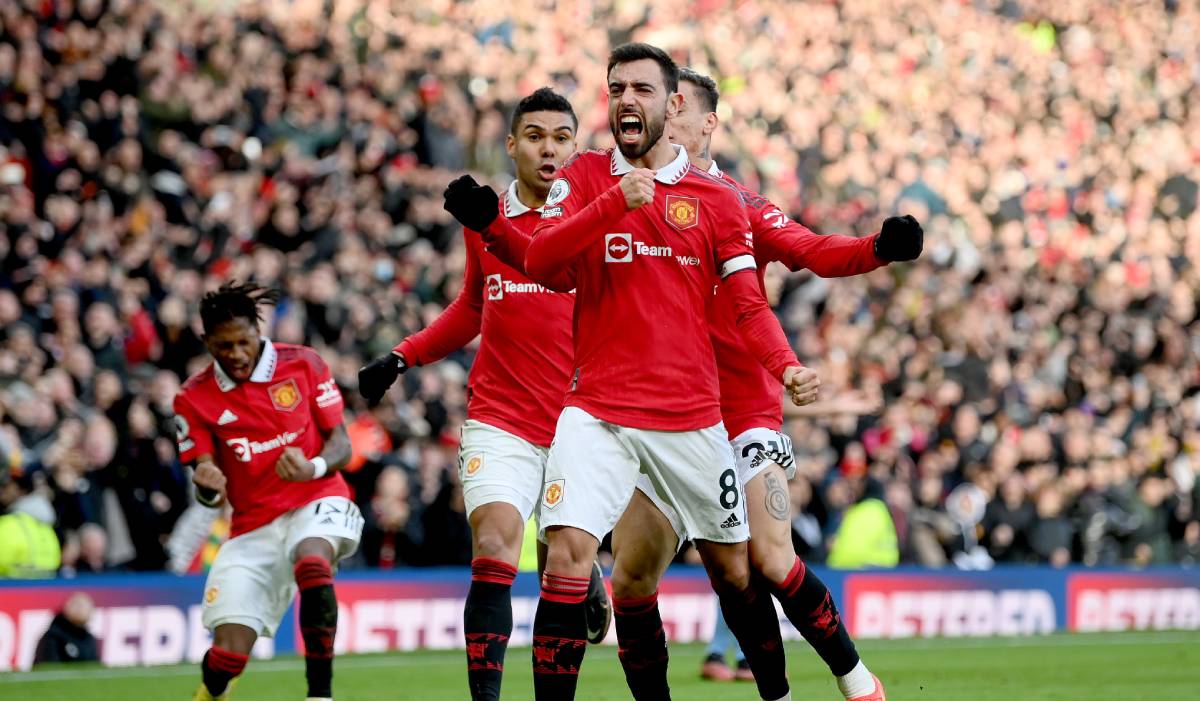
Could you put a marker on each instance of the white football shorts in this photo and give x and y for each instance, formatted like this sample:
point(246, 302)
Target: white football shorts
point(755, 448)
point(251, 581)
point(595, 465)
point(496, 466)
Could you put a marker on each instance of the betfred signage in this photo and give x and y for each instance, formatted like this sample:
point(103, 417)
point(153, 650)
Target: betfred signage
point(1118, 602)
point(155, 619)
point(376, 616)
point(128, 636)
point(911, 606)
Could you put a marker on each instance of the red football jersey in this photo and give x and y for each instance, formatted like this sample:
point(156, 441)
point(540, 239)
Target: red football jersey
point(290, 400)
point(520, 374)
point(643, 357)
point(750, 397)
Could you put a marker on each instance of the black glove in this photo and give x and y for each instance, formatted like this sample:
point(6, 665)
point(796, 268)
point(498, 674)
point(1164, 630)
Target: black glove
point(475, 206)
point(900, 239)
point(376, 377)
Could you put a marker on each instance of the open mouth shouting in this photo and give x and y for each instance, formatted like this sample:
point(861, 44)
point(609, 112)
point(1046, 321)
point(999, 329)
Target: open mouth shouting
point(547, 171)
point(630, 127)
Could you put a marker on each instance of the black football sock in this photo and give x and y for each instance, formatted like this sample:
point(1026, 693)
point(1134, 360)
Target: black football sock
point(219, 667)
point(752, 619)
point(559, 637)
point(642, 647)
point(487, 623)
point(318, 622)
point(809, 606)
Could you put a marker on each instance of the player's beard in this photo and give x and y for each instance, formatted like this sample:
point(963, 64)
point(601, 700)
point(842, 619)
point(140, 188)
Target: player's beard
point(653, 131)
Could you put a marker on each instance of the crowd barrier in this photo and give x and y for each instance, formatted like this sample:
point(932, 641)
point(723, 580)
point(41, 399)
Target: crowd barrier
point(150, 619)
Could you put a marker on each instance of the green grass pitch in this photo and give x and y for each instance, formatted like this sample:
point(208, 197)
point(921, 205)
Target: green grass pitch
point(1099, 667)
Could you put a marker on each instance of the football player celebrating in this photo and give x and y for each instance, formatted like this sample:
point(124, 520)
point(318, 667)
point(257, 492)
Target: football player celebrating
point(516, 385)
point(646, 538)
point(263, 428)
point(643, 236)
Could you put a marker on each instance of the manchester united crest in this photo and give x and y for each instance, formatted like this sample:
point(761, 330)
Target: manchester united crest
point(285, 395)
point(553, 495)
point(683, 212)
point(474, 464)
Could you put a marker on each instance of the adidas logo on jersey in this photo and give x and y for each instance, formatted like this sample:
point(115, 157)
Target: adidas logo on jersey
point(731, 522)
point(227, 417)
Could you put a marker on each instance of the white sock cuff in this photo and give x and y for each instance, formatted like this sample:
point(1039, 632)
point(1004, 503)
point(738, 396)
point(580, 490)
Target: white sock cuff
point(858, 682)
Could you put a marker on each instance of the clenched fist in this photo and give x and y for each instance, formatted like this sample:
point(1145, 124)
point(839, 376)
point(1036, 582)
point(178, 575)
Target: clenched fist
point(638, 186)
point(210, 483)
point(293, 466)
point(802, 384)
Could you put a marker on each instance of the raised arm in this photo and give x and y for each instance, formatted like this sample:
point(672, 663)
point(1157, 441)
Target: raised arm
point(559, 239)
point(576, 217)
point(778, 238)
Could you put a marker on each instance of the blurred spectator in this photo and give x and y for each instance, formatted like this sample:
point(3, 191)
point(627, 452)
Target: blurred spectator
point(28, 545)
point(866, 537)
point(1008, 522)
point(68, 639)
point(1052, 533)
point(392, 535)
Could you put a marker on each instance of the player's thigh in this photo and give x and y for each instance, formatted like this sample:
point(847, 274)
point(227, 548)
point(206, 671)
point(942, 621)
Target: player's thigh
point(250, 581)
point(590, 476)
point(644, 543)
point(768, 507)
point(335, 520)
point(694, 473)
point(496, 466)
point(751, 449)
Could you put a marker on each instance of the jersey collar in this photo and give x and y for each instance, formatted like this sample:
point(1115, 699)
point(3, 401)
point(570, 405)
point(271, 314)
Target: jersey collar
point(714, 170)
point(669, 174)
point(263, 372)
point(513, 206)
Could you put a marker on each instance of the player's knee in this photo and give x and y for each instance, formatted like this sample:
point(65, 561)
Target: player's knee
point(629, 583)
point(235, 638)
point(771, 561)
point(315, 547)
point(571, 552)
point(498, 544)
point(729, 574)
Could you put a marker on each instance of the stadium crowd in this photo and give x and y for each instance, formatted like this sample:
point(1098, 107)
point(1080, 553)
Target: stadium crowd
point(1043, 352)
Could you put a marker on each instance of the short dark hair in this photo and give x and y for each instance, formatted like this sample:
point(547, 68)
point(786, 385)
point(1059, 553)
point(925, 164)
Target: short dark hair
point(543, 100)
point(707, 86)
point(235, 300)
point(636, 51)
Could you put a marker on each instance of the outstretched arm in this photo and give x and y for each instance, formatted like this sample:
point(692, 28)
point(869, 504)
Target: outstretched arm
point(458, 323)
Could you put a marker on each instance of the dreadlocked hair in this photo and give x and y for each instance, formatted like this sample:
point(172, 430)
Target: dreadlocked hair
point(235, 300)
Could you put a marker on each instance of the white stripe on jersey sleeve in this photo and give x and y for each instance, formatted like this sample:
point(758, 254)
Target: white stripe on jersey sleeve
point(737, 264)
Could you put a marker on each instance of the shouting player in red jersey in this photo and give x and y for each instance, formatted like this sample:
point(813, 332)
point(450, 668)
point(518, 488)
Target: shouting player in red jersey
point(263, 427)
point(643, 237)
point(646, 538)
point(516, 385)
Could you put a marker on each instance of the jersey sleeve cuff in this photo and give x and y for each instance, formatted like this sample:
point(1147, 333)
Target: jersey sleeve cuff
point(405, 350)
